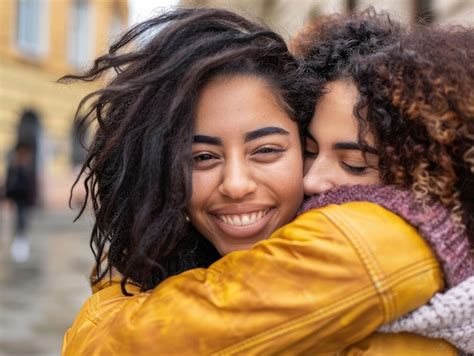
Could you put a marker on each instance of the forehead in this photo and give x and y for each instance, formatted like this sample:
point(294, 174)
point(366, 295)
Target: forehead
point(229, 105)
point(333, 117)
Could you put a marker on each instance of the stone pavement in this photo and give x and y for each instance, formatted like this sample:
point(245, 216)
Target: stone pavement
point(40, 297)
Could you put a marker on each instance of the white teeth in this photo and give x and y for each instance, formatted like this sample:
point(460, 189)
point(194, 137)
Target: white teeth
point(244, 219)
point(236, 220)
point(253, 218)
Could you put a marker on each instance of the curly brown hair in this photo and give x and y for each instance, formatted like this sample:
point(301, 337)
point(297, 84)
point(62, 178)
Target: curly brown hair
point(424, 84)
point(331, 46)
point(414, 95)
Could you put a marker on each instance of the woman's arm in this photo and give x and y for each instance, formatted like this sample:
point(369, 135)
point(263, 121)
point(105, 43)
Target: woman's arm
point(328, 279)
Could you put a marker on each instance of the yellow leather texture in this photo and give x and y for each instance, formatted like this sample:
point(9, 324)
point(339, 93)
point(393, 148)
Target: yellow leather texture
point(318, 285)
point(402, 344)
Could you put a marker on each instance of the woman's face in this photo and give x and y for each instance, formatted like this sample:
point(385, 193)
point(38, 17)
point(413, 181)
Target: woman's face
point(248, 164)
point(333, 156)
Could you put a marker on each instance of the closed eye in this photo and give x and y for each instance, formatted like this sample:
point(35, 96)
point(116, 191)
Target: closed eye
point(357, 170)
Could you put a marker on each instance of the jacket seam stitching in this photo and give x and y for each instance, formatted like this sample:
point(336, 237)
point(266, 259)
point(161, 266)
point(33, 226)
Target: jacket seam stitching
point(375, 271)
point(92, 313)
point(398, 277)
point(95, 317)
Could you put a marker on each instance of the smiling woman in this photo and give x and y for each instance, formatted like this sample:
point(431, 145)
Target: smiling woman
point(243, 139)
point(186, 135)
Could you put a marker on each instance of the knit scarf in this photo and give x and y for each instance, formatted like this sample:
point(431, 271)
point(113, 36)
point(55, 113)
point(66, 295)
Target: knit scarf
point(448, 315)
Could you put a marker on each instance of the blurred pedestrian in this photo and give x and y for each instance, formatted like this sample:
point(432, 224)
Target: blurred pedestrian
point(21, 190)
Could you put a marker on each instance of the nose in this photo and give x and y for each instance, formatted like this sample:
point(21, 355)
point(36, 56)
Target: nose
point(237, 181)
point(318, 179)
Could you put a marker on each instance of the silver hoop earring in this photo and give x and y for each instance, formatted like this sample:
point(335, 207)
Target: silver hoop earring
point(186, 217)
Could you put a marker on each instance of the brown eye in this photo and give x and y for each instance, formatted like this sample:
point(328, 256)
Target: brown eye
point(204, 160)
point(203, 157)
point(267, 154)
point(268, 150)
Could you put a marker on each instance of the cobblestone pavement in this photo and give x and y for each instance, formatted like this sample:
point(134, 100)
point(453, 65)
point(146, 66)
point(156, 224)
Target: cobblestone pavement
point(40, 297)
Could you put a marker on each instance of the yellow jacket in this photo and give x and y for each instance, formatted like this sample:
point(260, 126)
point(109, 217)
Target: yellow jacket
point(319, 286)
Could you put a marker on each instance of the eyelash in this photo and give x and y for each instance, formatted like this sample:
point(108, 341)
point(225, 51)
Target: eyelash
point(268, 150)
point(353, 169)
point(199, 157)
point(204, 157)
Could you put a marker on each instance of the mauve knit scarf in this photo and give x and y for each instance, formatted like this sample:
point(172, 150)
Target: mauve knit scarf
point(434, 223)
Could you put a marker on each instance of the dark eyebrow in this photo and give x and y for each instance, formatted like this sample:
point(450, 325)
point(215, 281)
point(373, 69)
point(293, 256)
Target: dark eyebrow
point(352, 146)
point(264, 131)
point(210, 140)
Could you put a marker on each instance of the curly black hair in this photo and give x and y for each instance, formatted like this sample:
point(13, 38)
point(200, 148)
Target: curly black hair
point(139, 166)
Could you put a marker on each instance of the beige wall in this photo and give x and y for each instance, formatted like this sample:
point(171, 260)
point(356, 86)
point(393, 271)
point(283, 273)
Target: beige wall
point(287, 16)
point(284, 17)
point(454, 11)
point(26, 83)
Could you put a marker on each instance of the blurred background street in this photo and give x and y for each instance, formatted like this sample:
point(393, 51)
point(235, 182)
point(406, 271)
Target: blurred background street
point(40, 297)
point(44, 265)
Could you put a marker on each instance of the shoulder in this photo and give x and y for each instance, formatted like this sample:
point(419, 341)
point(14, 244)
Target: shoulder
point(109, 300)
point(101, 307)
point(357, 220)
point(363, 234)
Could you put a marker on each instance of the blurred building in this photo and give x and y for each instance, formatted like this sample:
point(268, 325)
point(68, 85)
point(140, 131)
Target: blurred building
point(41, 40)
point(287, 16)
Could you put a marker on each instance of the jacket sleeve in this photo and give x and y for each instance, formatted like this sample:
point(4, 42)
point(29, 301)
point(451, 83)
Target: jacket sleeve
point(321, 283)
point(400, 344)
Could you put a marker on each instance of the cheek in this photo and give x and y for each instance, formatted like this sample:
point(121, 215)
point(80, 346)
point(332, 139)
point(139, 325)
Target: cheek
point(308, 162)
point(291, 193)
point(203, 188)
point(374, 178)
point(287, 183)
point(292, 176)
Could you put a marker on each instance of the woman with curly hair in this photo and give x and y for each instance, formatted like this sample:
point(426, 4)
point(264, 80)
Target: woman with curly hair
point(197, 154)
point(402, 118)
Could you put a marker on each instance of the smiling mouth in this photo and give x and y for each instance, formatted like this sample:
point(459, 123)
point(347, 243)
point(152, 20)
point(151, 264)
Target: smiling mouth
point(243, 219)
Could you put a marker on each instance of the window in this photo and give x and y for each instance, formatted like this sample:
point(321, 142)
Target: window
point(81, 41)
point(31, 27)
